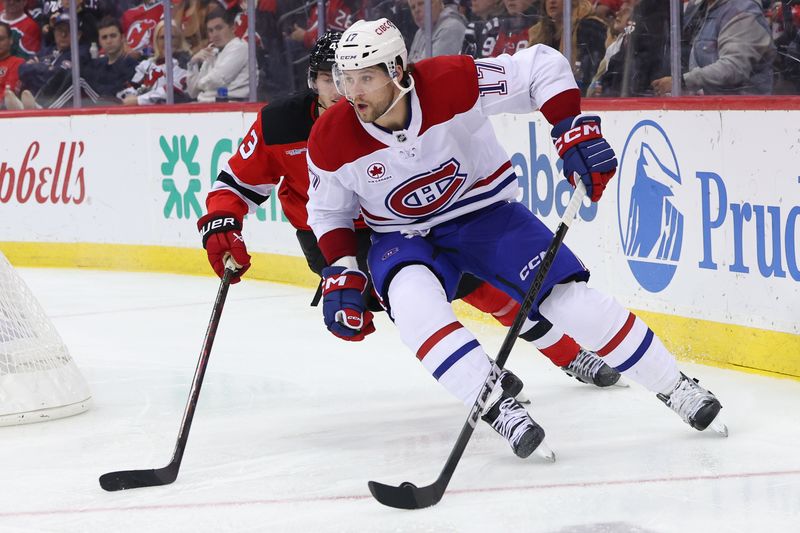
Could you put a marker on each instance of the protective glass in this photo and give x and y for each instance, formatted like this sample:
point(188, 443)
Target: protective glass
point(353, 83)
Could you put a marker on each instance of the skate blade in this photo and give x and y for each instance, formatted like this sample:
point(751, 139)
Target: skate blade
point(621, 383)
point(719, 427)
point(544, 452)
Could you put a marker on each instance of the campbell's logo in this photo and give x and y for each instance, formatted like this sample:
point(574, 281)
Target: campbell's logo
point(39, 178)
point(649, 212)
point(426, 193)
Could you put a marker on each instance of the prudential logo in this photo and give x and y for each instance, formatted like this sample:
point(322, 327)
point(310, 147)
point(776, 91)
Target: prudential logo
point(649, 213)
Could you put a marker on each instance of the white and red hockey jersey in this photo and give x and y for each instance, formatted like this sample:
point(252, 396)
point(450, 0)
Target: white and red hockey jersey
point(446, 163)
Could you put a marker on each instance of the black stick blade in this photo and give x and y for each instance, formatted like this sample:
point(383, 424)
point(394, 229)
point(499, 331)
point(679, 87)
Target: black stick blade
point(406, 496)
point(134, 479)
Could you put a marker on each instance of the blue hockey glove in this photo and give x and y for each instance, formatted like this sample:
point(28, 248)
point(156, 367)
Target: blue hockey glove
point(343, 303)
point(585, 152)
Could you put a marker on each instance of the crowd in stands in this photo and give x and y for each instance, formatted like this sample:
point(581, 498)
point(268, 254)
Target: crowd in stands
point(617, 47)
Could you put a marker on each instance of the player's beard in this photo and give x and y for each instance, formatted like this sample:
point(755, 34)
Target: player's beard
point(374, 109)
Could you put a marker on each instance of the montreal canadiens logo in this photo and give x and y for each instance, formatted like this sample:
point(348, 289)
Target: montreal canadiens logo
point(426, 193)
point(376, 171)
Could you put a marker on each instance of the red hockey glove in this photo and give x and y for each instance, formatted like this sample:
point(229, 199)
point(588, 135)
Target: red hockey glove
point(222, 235)
point(585, 152)
point(343, 306)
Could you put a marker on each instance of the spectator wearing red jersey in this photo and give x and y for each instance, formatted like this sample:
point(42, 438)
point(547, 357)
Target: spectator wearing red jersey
point(339, 15)
point(138, 23)
point(27, 34)
point(477, 42)
point(509, 34)
point(9, 69)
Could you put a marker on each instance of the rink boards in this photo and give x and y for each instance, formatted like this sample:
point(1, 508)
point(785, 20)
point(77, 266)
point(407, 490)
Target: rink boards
point(699, 231)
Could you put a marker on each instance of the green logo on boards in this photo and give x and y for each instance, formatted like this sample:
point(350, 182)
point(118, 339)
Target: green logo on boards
point(181, 202)
point(180, 169)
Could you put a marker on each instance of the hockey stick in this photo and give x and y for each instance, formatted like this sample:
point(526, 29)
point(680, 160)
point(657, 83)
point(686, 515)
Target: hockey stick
point(408, 495)
point(133, 479)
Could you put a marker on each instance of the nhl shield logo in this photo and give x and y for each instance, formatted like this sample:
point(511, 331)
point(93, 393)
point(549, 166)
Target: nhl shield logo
point(427, 193)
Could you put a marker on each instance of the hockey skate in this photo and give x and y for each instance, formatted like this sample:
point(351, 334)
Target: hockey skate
point(510, 384)
point(512, 421)
point(697, 406)
point(589, 368)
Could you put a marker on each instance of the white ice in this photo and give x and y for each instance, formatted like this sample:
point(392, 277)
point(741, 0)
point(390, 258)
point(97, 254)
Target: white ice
point(292, 423)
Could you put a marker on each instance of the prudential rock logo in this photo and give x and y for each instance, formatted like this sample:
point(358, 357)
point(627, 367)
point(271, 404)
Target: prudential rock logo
point(649, 206)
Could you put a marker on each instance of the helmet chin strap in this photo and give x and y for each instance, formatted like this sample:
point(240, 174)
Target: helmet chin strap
point(403, 92)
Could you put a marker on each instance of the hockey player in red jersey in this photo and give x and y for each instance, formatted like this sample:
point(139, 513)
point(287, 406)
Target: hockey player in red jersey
point(274, 148)
point(415, 153)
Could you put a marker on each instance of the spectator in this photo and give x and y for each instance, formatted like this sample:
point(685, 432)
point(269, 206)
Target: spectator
point(50, 72)
point(138, 23)
point(730, 49)
point(149, 83)
point(478, 42)
point(339, 15)
point(192, 14)
point(86, 21)
point(110, 73)
point(785, 17)
point(399, 13)
point(223, 63)
point(447, 32)
point(27, 34)
point(9, 69)
point(509, 34)
point(607, 10)
point(588, 37)
point(638, 53)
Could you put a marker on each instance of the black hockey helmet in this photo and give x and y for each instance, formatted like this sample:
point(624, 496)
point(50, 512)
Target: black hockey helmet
point(323, 55)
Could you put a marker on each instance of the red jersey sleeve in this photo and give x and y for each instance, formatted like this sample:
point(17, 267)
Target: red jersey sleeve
point(249, 176)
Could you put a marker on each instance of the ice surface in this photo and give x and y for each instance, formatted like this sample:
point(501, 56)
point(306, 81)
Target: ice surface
point(292, 423)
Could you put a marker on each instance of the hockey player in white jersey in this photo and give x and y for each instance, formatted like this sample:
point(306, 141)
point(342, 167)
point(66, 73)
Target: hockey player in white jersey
point(415, 153)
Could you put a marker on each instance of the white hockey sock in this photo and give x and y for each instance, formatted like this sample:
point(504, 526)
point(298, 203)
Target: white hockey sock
point(429, 327)
point(598, 322)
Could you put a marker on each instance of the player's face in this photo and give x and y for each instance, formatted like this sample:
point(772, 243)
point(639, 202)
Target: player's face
point(326, 89)
point(110, 40)
point(370, 90)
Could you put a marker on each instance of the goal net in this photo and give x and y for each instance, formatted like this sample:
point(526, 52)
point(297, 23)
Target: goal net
point(39, 381)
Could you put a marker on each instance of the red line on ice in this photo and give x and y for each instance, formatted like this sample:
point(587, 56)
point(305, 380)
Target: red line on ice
point(283, 501)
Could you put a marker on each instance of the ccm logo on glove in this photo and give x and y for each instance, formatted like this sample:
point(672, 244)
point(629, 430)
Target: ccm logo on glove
point(585, 153)
point(343, 306)
point(584, 132)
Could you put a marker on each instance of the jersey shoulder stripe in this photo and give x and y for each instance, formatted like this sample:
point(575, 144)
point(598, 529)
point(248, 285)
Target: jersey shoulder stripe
point(435, 80)
point(288, 120)
point(338, 138)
